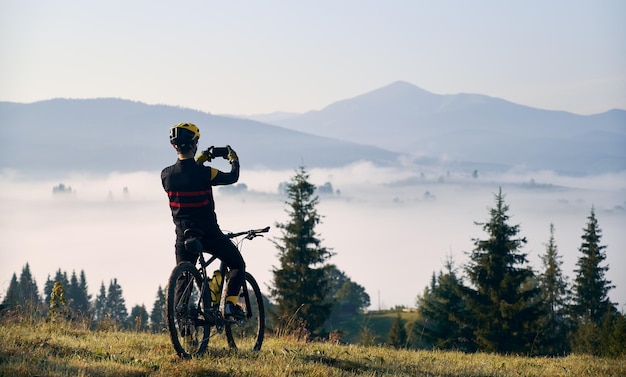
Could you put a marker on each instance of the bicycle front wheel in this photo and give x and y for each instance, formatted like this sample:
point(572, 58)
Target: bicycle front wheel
point(248, 333)
point(185, 311)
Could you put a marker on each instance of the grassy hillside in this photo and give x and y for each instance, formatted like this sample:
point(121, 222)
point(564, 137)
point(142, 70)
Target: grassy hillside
point(48, 349)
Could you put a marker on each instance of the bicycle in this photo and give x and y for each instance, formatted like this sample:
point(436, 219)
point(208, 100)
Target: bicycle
point(200, 302)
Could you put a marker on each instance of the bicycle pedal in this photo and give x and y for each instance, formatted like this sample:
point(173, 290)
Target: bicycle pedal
point(234, 321)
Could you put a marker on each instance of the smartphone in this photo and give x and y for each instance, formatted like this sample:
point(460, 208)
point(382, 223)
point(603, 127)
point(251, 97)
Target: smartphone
point(219, 152)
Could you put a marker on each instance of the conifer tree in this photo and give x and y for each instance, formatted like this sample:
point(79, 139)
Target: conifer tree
point(72, 289)
point(115, 303)
point(23, 293)
point(397, 334)
point(442, 312)
point(13, 297)
point(157, 316)
point(615, 345)
point(555, 296)
point(300, 284)
point(84, 299)
point(593, 312)
point(138, 319)
point(47, 290)
point(504, 298)
point(591, 288)
point(77, 294)
point(100, 304)
point(29, 292)
point(366, 337)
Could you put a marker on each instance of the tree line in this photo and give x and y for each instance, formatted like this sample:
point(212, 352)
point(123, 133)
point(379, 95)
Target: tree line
point(498, 303)
point(69, 299)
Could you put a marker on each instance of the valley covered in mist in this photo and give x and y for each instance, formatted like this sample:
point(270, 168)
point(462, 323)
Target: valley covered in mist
point(390, 227)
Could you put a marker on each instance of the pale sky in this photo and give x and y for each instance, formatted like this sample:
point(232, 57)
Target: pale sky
point(245, 57)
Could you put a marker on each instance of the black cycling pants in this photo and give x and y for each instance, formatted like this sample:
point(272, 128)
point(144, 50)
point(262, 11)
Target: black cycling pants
point(216, 243)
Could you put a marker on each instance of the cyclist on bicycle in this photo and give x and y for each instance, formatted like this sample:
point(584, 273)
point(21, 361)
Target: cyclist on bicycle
point(188, 185)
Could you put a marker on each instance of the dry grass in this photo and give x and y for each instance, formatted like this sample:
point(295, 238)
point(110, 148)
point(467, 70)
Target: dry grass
point(45, 349)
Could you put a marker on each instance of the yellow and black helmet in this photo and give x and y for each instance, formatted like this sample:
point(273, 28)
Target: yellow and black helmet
point(184, 135)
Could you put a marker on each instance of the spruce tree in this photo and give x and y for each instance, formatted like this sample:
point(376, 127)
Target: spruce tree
point(300, 284)
point(138, 319)
point(504, 296)
point(426, 331)
point(115, 303)
point(100, 304)
point(593, 312)
point(76, 294)
point(157, 316)
point(615, 345)
point(555, 296)
point(591, 288)
point(397, 333)
point(72, 289)
point(47, 290)
point(366, 336)
point(13, 297)
point(29, 292)
point(442, 310)
point(84, 298)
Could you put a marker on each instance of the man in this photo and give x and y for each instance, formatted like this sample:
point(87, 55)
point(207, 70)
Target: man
point(188, 185)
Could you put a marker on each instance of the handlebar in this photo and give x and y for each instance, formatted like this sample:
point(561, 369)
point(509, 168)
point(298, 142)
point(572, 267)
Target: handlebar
point(250, 234)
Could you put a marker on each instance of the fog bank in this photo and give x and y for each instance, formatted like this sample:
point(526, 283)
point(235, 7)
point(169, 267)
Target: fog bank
point(390, 228)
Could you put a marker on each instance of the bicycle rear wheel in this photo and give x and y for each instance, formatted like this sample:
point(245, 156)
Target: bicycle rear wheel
point(248, 333)
point(185, 311)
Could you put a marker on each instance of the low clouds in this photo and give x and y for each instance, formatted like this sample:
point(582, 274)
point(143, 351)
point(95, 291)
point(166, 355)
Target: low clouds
point(390, 228)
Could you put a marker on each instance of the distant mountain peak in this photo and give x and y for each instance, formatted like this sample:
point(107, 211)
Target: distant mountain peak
point(403, 85)
point(397, 96)
point(399, 88)
point(471, 127)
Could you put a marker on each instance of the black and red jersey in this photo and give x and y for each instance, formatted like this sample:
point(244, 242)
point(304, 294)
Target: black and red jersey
point(189, 188)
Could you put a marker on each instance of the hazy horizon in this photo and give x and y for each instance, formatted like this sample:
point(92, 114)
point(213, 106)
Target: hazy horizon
point(388, 237)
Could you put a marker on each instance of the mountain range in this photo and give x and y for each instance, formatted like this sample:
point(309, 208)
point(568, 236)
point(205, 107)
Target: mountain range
point(399, 122)
point(102, 135)
point(471, 127)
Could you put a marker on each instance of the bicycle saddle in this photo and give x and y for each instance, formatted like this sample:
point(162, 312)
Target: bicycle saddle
point(193, 232)
point(192, 241)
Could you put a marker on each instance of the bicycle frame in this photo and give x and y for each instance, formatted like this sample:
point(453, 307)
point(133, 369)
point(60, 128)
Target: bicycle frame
point(214, 307)
point(191, 310)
